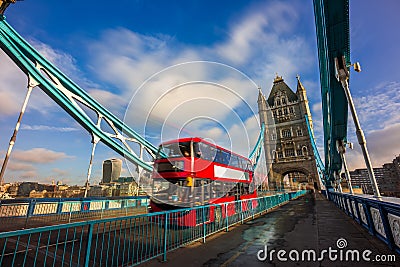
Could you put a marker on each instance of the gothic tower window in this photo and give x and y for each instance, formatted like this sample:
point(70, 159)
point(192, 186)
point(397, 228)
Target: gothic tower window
point(289, 152)
point(286, 133)
point(291, 109)
point(283, 101)
point(286, 111)
point(299, 152)
point(299, 132)
point(305, 151)
point(278, 102)
point(280, 112)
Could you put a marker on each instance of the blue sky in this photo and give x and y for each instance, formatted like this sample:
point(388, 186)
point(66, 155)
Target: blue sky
point(110, 50)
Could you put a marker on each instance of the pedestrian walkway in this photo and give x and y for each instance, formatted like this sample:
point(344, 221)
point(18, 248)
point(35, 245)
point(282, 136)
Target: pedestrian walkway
point(309, 223)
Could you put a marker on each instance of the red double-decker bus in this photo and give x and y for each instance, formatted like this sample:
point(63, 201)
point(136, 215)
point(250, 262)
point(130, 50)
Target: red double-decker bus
point(196, 172)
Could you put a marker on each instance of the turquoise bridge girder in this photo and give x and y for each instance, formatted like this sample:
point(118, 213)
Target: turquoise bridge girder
point(320, 164)
point(67, 94)
point(333, 39)
point(255, 154)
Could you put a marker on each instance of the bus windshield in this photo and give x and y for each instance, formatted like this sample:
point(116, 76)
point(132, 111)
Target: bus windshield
point(175, 150)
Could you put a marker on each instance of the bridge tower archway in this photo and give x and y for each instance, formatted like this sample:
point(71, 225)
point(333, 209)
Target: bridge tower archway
point(292, 159)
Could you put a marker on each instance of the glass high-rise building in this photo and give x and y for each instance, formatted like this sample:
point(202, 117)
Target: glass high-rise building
point(111, 170)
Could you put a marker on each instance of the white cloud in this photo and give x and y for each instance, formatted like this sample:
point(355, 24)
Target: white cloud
point(38, 155)
point(113, 102)
point(47, 128)
point(382, 144)
point(254, 43)
point(241, 39)
point(379, 117)
point(65, 62)
point(12, 87)
point(18, 166)
point(382, 105)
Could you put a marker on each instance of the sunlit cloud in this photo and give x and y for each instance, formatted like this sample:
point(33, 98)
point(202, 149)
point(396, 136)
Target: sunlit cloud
point(382, 145)
point(18, 166)
point(39, 155)
point(12, 87)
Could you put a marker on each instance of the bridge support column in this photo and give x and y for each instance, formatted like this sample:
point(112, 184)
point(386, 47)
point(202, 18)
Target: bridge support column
point(94, 143)
point(338, 180)
point(342, 75)
point(31, 84)
point(341, 147)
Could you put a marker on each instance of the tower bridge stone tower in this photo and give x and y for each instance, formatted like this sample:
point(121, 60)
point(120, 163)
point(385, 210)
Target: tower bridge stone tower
point(292, 159)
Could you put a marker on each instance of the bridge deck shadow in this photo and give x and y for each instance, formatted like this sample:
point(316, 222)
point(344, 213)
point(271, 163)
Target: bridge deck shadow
point(308, 223)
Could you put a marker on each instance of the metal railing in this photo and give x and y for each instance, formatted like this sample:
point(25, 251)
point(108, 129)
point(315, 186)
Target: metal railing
point(380, 218)
point(128, 240)
point(23, 213)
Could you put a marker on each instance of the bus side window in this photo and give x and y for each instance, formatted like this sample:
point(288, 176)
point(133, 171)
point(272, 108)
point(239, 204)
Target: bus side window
point(243, 163)
point(249, 167)
point(206, 152)
point(235, 162)
point(222, 157)
point(218, 157)
point(197, 151)
point(226, 157)
point(213, 153)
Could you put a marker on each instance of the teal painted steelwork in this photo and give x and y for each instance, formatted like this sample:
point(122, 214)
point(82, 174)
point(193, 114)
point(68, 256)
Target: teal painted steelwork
point(23, 213)
point(255, 154)
point(66, 94)
point(333, 38)
point(129, 240)
point(320, 164)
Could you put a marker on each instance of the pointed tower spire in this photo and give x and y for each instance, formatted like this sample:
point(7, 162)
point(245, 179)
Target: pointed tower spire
point(300, 86)
point(261, 99)
point(302, 95)
point(262, 107)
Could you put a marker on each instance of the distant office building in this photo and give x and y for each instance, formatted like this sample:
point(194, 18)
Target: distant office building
point(25, 188)
point(97, 191)
point(111, 170)
point(128, 189)
point(387, 178)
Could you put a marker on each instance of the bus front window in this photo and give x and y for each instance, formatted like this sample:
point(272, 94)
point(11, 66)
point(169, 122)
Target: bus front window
point(175, 150)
